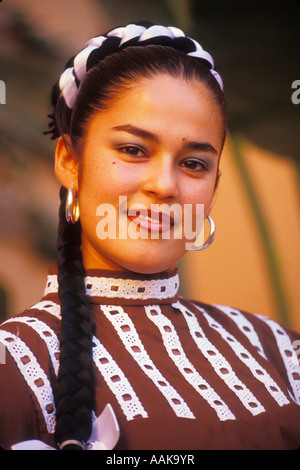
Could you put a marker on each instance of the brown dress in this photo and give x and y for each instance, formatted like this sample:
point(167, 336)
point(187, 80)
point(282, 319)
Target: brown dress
point(178, 374)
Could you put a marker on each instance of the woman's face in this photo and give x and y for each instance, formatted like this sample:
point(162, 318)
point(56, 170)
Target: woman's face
point(157, 144)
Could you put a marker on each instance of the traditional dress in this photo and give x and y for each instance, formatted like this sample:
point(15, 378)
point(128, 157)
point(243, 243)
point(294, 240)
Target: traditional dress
point(178, 374)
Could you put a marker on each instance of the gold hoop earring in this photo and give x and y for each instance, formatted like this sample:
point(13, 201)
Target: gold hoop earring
point(72, 206)
point(210, 238)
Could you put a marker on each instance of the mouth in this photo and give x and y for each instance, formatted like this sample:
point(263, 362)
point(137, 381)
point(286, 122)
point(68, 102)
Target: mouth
point(152, 221)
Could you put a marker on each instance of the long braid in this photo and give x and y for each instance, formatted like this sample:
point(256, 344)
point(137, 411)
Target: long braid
point(75, 385)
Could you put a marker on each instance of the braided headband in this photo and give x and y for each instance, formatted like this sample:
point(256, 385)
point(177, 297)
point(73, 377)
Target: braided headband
point(131, 35)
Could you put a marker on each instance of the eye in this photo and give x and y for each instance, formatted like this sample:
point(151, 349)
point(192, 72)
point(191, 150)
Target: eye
point(132, 150)
point(194, 165)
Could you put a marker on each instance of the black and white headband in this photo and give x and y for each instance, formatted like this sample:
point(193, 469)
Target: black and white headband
point(119, 38)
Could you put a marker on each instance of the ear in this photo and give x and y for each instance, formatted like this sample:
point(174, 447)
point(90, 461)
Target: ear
point(66, 162)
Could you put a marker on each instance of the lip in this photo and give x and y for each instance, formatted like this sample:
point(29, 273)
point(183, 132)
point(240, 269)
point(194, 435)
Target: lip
point(151, 220)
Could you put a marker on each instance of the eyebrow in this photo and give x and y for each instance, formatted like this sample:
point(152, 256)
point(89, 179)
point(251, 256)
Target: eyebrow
point(137, 131)
point(201, 146)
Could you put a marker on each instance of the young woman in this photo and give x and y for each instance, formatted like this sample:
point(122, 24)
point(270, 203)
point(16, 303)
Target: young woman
point(140, 119)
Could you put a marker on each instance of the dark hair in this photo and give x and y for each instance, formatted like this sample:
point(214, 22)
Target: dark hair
point(102, 84)
point(119, 72)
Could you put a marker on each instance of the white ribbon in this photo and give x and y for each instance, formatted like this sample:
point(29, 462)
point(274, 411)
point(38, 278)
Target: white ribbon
point(68, 86)
point(105, 435)
point(67, 82)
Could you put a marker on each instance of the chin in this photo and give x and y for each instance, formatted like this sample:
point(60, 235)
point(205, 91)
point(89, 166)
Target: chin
point(139, 258)
point(149, 266)
point(151, 269)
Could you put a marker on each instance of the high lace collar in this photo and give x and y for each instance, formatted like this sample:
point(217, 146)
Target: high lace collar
point(116, 287)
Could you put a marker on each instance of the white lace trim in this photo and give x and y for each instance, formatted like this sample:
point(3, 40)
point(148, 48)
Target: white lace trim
point(129, 289)
point(288, 355)
point(48, 306)
point(117, 382)
point(220, 364)
point(244, 325)
point(113, 375)
point(34, 375)
point(130, 338)
point(45, 333)
point(246, 357)
point(177, 354)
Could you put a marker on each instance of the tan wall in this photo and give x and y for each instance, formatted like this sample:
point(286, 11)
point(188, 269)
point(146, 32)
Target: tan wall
point(22, 275)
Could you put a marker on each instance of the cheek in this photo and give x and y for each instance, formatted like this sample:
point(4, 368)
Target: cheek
point(94, 185)
point(202, 193)
point(102, 184)
point(197, 202)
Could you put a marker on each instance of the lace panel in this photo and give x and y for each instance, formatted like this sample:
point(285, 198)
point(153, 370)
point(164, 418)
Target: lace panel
point(246, 357)
point(288, 355)
point(117, 382)
point(33, 374)
point(129, 336)
point(48, 306)
point(51, 285)
point(220, 364)
point(176, 353)
point(45, 333)
point(111, 288)
point(112, 374)
point(244, 325)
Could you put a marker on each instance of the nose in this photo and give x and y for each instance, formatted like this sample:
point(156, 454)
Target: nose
point(161, 178)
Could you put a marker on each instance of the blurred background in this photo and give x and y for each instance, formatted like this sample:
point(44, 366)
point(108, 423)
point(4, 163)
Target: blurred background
point(254, 262)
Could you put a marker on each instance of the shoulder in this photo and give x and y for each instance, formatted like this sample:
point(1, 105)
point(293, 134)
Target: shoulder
point(250, 325)
point(32, 332)
point(248, 334)
point(29, 352)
